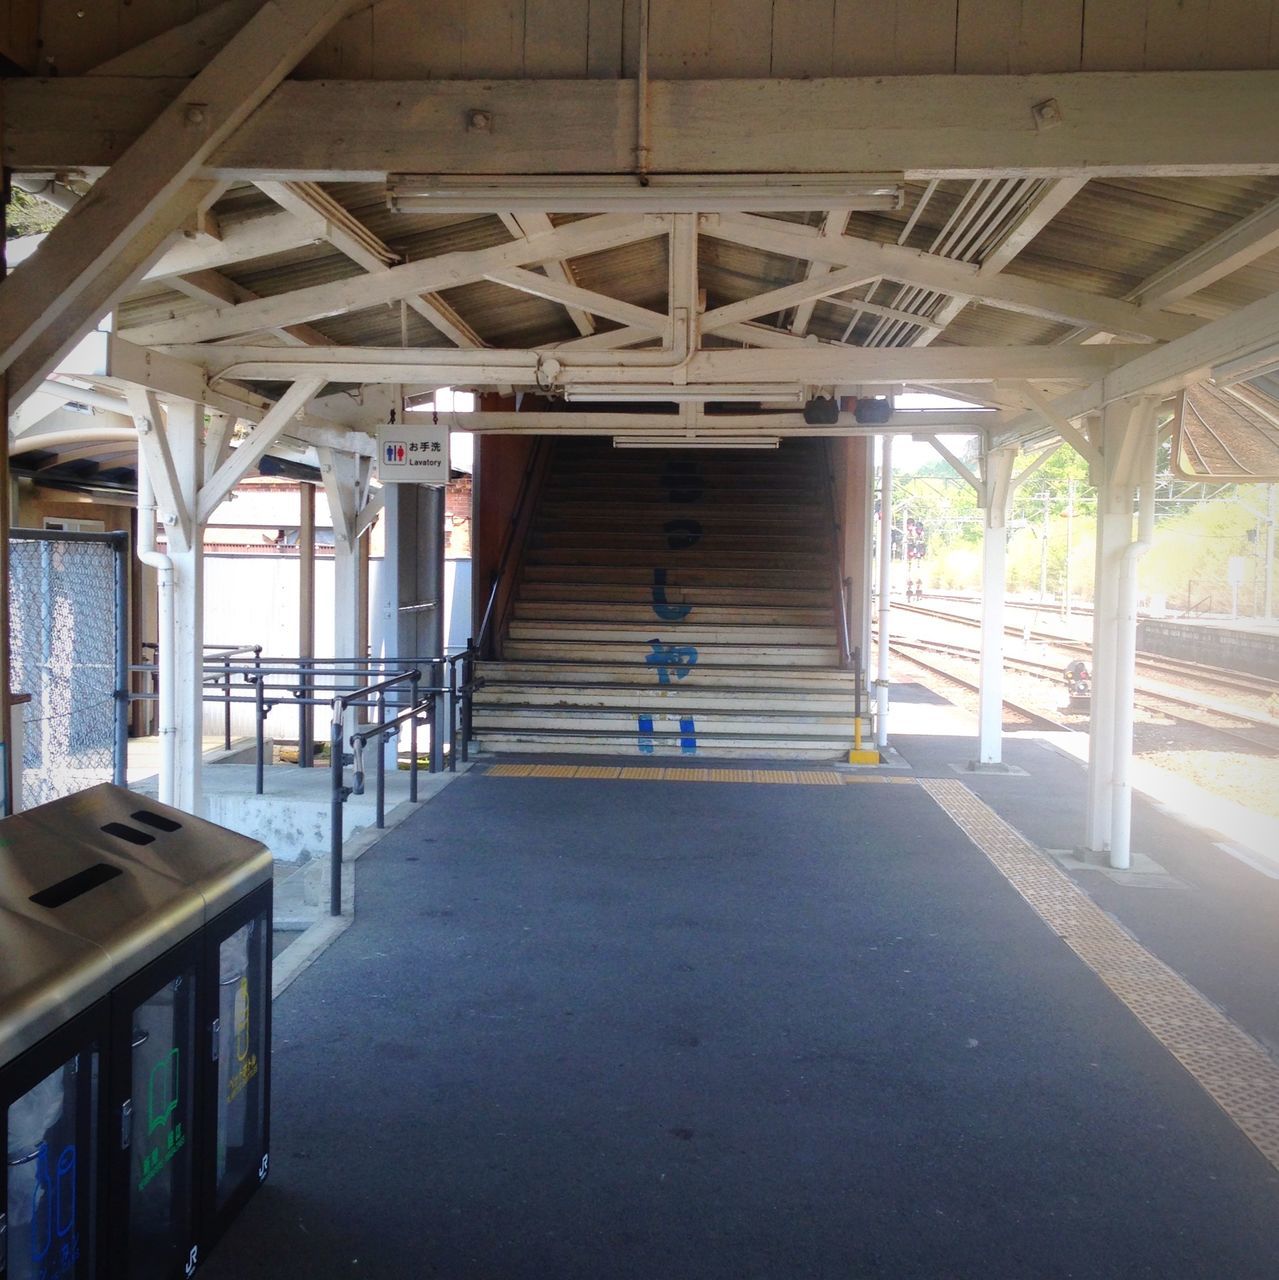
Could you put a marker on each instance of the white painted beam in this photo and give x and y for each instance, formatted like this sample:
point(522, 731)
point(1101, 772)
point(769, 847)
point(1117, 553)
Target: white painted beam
point(586, 299)
point(814, 365)
point(349, 236)
point(251, 450)
point(1243, 243)
point(766, 304)
point(591, 422)
point(185, 49)
point(1042, 210)
point(833, 224)
point(156, 169)
point(56, 335)
point(1168, 369)
point(911, 266)
point(153, 441)
point(442, 272)
point(259, 237)
point(523, 226)
point(1174, 123)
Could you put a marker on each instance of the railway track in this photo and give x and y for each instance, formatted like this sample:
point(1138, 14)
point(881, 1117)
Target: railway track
point(901, 647)
point(1222, 677)
point(1261, 734)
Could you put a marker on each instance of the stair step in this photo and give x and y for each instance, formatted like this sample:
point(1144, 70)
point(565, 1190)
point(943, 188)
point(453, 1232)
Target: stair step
point(774, 503)
point(836, 681)
point(573, 593)
point(623, 721)
point(620, 612)
point(708, 544)
point(655, 521)
point(616, 575)
point(684, 633)
point(711, 749)
point(654, 698)
point(724, 557)
point(707, 655)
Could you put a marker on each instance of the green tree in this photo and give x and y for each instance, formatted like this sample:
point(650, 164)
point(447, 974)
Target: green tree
point(26, 215)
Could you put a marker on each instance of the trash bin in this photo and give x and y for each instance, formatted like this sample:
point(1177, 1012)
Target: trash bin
point(134, 1035)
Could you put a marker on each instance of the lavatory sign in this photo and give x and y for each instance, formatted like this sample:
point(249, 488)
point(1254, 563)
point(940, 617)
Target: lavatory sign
point(413, 455)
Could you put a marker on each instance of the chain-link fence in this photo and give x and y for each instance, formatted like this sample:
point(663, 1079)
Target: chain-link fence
point(67, 633)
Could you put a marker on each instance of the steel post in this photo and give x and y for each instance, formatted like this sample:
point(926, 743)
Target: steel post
point(336, 796)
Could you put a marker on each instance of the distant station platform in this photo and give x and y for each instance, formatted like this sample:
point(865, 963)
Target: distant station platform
point(1241, 644)
point(595, 1018)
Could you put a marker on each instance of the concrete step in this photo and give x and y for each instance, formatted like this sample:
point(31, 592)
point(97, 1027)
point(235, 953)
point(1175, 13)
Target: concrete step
point(651, 697)
point(623, 721)
point(574, 593)
point(708, 543)
point(632, 502)
point(707, 654)
point(726, 520)
point(726, 577)
point(620, 612)
point(660, 745)
point(833, 680)
point(690, 631)
point(717, 558)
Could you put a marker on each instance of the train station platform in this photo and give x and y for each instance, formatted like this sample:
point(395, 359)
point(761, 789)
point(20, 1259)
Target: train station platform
point(594, 1019)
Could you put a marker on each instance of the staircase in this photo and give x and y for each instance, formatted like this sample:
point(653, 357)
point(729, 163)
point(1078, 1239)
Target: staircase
point(674, 603)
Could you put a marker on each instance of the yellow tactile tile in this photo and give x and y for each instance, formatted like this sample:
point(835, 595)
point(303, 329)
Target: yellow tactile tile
point(1235, 1071)
point(687, 773)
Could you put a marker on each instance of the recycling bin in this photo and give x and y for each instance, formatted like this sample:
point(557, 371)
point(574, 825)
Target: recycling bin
point(134, 1035)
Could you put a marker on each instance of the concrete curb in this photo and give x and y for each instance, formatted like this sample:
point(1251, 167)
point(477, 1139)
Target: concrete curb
point(318, 937)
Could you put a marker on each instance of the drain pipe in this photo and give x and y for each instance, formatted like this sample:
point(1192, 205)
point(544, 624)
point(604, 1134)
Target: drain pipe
point(163, 567)
point(1125, 672)
point(885, 584)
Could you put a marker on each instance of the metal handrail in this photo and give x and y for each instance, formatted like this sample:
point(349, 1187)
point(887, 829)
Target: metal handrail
point(266, 683)
point(359, 738)
point(845, 643)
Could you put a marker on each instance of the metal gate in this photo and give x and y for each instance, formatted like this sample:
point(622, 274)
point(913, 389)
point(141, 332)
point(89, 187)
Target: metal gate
point(69, 634)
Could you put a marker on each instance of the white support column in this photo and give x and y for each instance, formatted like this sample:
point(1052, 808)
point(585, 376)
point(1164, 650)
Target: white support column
point(345, 480)
point(186, 446)
point(996, 493)
point(1126, 445)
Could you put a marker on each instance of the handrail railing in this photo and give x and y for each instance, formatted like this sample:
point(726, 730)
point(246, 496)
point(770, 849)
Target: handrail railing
point(840, 597)
point(390, 687)
point(266, 683)
point(482, 637)
point(370, 695)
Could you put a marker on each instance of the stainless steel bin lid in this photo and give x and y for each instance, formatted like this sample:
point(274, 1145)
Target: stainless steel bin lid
point(53, 871)
point(220, 864)
point(47, 977)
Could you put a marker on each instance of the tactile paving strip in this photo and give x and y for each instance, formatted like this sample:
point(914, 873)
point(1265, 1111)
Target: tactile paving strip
point(645, 773)
point(1236, 1072)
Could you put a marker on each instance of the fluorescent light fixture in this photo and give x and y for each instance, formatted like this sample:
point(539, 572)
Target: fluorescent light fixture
point(661, 193)
point(695, 442)
point(727, 393)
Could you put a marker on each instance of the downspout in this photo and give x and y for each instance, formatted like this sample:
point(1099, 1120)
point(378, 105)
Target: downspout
point(1125, 673)
point(885, 586)
point(165, 635)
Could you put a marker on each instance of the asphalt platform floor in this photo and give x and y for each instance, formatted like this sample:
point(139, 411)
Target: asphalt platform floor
point(587, 1028)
